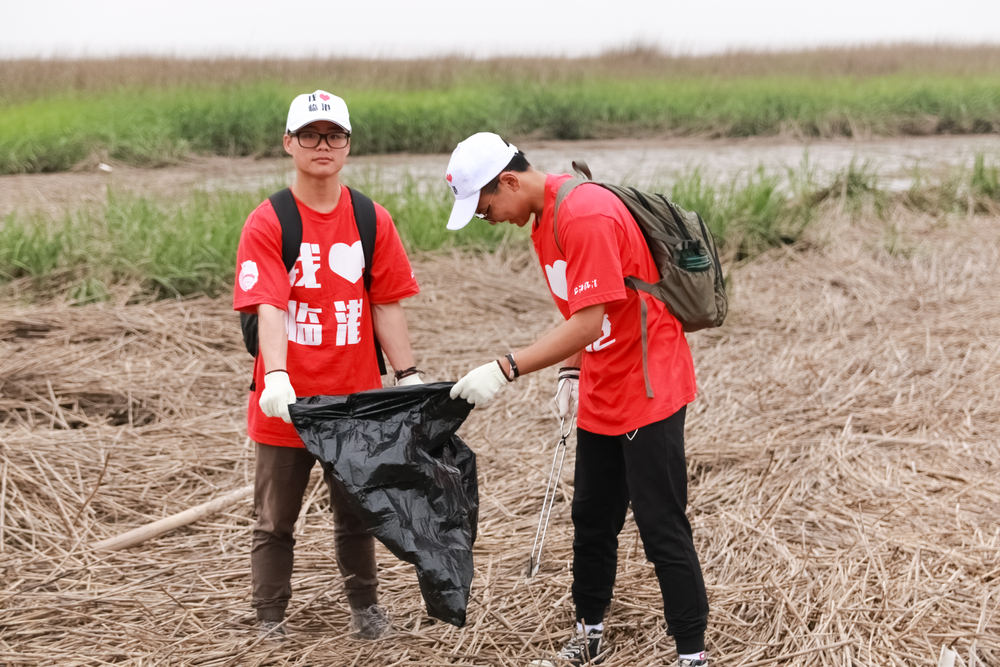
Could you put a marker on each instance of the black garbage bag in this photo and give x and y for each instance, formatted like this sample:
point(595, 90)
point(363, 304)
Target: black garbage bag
point(410, 479)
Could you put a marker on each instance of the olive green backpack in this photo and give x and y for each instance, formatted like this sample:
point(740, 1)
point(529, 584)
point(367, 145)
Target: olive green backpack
point(691, 283)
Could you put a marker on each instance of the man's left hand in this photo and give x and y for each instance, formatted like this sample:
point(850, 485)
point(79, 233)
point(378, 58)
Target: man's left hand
point(567, 392)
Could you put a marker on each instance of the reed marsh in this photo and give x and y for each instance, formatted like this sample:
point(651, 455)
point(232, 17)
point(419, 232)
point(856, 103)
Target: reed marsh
point(187, 245)
point(150, 112)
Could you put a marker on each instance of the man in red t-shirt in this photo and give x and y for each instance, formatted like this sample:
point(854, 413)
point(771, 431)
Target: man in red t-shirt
point(316, 324)
point(629, 447)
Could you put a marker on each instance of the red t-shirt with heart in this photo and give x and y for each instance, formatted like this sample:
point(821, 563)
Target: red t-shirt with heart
point(602, 245)
point(328, 314)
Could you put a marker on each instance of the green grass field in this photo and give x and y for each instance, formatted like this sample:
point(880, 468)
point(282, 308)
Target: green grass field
point(149, 112)
point(186, 247)
point(189, 246)
point(153, 127)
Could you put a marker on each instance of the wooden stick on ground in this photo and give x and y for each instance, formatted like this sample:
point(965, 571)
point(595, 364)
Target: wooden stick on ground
point(166, 524)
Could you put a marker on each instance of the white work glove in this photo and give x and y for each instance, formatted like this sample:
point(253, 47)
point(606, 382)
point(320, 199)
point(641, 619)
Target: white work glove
point(567, 392)
point(277, 395)
point(409, 380)
point(481, 384)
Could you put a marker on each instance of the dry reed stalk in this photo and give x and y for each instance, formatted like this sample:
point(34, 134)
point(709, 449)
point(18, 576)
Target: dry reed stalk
point(27, 78)
point(842, 454)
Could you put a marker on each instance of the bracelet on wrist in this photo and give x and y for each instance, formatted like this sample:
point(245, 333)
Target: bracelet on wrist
point(506, 377)
point(406, 372)
point(513, 368)
point(569, 373)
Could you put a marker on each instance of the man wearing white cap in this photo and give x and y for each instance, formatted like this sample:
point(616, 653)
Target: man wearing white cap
point(317, 324)
point(630, 447)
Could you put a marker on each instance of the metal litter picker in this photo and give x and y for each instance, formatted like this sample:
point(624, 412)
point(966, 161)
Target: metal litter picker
point(558, 456)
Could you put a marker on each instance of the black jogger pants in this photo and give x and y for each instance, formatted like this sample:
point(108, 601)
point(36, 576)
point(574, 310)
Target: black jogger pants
point(646, 467)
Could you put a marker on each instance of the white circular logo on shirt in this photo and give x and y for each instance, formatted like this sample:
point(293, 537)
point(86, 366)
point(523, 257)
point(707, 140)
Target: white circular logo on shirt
point(248, 275)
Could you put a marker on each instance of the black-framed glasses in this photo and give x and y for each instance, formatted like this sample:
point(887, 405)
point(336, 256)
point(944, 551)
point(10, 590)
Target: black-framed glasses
point(310, 139)
point(486, 215)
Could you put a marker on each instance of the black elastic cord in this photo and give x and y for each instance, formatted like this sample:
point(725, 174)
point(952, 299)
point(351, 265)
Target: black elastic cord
point(406, 372)
point(504, 373)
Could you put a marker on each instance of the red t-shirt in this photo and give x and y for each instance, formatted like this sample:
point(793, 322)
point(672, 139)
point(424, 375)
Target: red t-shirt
point(328, 314)
point(603, 245)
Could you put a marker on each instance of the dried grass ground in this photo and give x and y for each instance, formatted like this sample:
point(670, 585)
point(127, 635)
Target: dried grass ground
point(843, 453)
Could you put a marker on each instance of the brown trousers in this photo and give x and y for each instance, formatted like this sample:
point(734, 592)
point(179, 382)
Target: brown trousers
point(279, 485)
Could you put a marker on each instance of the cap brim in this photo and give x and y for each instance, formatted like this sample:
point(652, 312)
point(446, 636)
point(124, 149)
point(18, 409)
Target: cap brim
point(462, 211)
point(318, 118)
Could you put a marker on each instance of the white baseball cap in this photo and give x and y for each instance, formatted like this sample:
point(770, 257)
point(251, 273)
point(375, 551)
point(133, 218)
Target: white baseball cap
point(474, 163)
point(321, 105)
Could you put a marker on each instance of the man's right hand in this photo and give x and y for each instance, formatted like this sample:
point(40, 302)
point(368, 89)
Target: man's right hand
point(480, 384)
point(277, 395)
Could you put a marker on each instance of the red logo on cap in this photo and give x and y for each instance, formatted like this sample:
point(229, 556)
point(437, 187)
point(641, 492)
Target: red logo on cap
point(325, 98)
point(448, 177)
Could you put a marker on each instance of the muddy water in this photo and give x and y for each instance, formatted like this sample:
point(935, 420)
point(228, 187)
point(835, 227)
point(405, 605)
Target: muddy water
point(636, 161)
point(649, 162)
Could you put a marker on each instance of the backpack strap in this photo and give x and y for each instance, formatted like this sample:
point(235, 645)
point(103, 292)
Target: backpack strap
point(643, 286)
point(283, 203)
point(561, 194)
point(581, 168)
point(291, 237)
point(290, 220)
point(364, 218)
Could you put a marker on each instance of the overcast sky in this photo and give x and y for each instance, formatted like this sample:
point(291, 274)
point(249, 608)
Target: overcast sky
point(407, 28)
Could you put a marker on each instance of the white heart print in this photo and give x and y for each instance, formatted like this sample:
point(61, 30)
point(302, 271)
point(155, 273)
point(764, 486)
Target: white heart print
point(556, 275)
point(347, 261)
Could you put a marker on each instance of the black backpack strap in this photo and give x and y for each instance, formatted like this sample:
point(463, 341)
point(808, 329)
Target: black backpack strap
point(364, 217)
point(291, 238)
point(290, 220)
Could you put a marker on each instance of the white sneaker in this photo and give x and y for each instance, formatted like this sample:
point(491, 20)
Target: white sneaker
point(267, 629)
point(578, 651)
point(371, 622)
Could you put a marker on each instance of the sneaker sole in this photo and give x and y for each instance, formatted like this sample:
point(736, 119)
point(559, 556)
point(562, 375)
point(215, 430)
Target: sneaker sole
point(389, 632)
point(563, 663)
